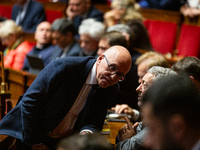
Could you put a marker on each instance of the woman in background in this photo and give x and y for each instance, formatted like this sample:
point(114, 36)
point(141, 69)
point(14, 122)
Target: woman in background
point(11, 36)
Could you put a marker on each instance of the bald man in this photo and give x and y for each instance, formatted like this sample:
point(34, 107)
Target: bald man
point(43, 48)
point(70, 95)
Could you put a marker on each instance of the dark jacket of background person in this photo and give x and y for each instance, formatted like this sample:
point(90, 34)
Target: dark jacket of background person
point(173, 5)
point(34, 15)
point(45, 54)
point(73, 51)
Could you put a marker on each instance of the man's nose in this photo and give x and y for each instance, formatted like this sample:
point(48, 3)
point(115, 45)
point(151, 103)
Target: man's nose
point(138, 89)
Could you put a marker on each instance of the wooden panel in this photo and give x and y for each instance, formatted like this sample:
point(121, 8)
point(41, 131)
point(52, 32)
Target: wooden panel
point(18, 81)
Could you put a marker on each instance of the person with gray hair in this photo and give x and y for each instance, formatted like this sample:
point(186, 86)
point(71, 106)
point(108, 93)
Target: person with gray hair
point(124, 29)
point(63, 32)
point(131, 137)
point(90, 32)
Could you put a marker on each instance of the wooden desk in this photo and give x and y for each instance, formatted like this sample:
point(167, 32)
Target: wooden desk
point(110, 130)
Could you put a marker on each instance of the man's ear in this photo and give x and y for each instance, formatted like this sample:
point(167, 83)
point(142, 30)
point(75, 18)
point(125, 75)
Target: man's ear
point(177, 126)
point(192, 79)
point(99, 59)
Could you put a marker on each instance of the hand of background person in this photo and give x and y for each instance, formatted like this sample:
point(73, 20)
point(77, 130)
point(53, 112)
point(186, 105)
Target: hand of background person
point(189, 11)
point(70, 14)
point(127, 131)
point(123, 108)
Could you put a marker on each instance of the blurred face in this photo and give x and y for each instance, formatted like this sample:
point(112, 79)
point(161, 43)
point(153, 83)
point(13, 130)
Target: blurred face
point(20, 2)
point(88, 44)
point(77, 6)
point(104, 77)
point(60, 39)
point(159, 135)
point(103, 46)
point(141, 71)
point(9, 40)
point(145, 84)
point(43, 33)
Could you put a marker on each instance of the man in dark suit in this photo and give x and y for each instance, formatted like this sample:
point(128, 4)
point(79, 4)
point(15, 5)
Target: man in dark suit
point(28, 14)
point(70, 95)
point(63, 32)
point(79, 10)
point(43, 48)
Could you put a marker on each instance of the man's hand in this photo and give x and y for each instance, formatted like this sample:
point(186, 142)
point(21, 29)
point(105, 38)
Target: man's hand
point(123, 108)
point(127, 131)
point(70, 14)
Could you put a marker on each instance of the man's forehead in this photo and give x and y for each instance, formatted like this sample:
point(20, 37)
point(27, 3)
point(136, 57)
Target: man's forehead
point(148, 77)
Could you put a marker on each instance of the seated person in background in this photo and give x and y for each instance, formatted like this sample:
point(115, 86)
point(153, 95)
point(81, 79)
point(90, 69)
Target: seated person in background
point(12, 37)
point(173, 5)
point(191, 8)
point(110, 39)
point(70, 95)
point(28, 14)
point(90, 32)
point(43, 48)
point(79, 10)
point(144, 63)
point(189, 66)
point(132, 137)
point(85, 142)
point(140, 38)
point(173, 121)
point(63, 32)
point(121, 11)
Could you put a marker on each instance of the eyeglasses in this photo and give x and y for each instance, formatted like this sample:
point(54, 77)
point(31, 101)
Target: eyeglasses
point(112, 69)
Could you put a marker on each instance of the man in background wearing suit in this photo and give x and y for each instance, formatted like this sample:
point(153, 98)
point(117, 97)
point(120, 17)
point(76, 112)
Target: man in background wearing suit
point(28, 14)
point(79, 10)
point(63, 32)
point(70, 95)
point(44, 47)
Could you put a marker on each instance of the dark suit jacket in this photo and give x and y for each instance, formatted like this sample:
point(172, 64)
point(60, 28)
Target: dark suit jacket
point(45, 54)
point(34, 15)
point(163, 4)
point(74, 50)
point(50, 97)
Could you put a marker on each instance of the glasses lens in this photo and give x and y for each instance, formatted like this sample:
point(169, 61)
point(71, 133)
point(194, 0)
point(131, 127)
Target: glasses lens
point(112, 69)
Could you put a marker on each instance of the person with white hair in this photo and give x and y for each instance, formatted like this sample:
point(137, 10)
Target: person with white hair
point(11, 36)
point(90, 33)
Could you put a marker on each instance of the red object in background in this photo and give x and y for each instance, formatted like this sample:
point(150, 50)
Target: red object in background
point(189, 41)
point(162, 35)
point(51, 15)
point(5, 11)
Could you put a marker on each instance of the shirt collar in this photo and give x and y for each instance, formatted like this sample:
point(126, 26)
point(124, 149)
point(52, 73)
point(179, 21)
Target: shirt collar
point(92, 76)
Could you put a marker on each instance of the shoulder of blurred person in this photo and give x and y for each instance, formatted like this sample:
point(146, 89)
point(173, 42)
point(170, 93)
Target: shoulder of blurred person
point(94, 141)
point(173, 5)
